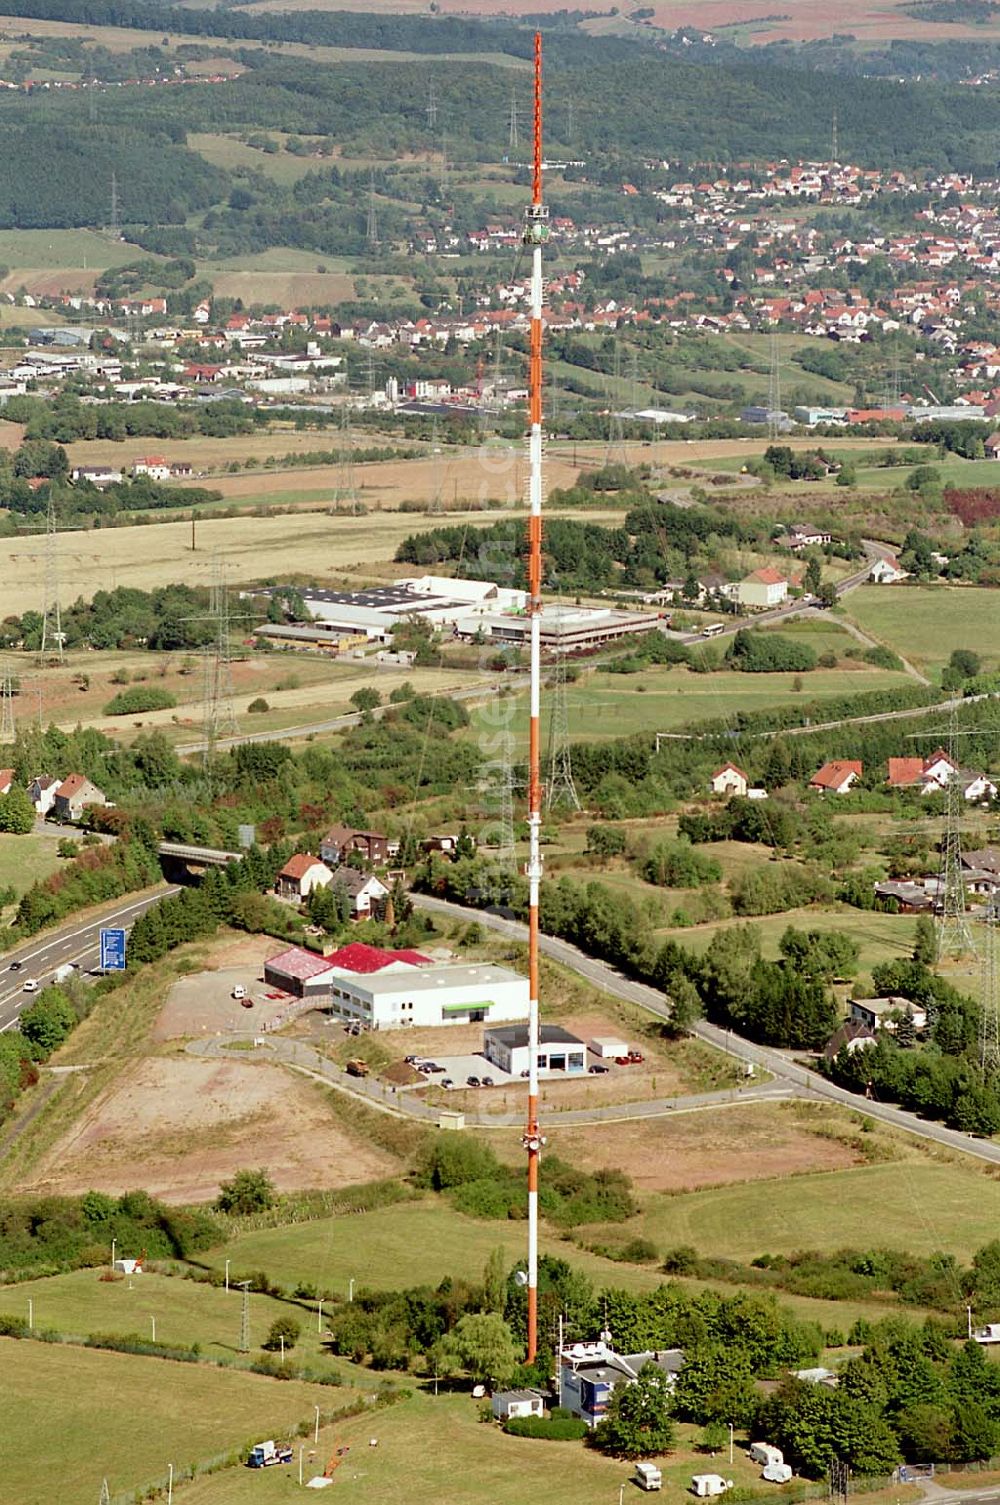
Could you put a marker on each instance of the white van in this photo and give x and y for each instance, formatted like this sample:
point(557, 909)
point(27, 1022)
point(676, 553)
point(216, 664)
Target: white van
point(239, 991)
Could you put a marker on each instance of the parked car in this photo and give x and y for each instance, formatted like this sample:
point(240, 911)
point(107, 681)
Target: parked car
point(239, 992)
point(636, 1057)
point(447, 1082)
point(487, 1081)
point(410, 1060)
point(598, 1070)
point(472, 1081)
point(30, 985)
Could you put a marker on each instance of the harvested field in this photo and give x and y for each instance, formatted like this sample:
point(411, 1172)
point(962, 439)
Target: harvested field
point(179, 1126)
point(752, 1143)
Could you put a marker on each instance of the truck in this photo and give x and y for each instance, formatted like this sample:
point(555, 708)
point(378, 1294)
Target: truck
point(264, 1454)
point(62, 973)
point(356, 1068)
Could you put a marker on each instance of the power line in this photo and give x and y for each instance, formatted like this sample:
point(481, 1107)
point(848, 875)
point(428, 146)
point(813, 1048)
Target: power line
point(432, 109)
point(560, 790)
point(53, 637)
point(954, 934)
point(774, 389)
point(114, 223)
point(8, 728)
point(371, 230)
point(989, 1008)
point(512, 127)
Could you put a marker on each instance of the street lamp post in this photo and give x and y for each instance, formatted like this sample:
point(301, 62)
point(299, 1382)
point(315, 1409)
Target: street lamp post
point(170, 1484)
point(968, 1314)
point(350, 1289)
point(153, 1321)
point(316, 1432)
point(730, 1444)
point(227, 1275)
point(113, 1243)
point(301, 1451)
point(31, 1315)
point(319, 1316)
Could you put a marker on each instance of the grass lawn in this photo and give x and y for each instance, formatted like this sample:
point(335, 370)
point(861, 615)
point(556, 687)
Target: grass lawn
point(881, 937)
point(614, 705)
point(922, 1207)
point(186, 1311)
point(925, 622)
point(75, 1416)
point(26, 859)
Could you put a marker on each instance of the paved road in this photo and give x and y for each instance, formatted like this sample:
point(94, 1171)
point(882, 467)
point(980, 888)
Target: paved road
point(404, 1103)
point(77, 942)
point(785, 1070)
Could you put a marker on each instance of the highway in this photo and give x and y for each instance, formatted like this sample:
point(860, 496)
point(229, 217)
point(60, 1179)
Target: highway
point(77, 942)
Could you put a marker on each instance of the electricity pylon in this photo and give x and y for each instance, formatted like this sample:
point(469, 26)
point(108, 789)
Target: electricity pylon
point(954, 933)
point(560, 789)
point(53, 636)
point(8, 729)
point(989, 1016)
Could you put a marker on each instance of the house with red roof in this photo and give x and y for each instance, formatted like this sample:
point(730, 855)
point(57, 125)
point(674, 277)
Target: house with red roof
point(836, 777)
point(6, 780)
point(729, 780)
point(73, 795)
point(300, 875)
point(762, 589)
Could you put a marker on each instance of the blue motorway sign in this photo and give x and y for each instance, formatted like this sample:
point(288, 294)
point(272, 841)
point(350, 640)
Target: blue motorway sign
point(112, 951)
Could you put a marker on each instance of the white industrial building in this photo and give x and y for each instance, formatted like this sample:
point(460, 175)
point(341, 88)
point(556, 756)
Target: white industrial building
point(561, 1054)
point(469, 608)
point(403, 989)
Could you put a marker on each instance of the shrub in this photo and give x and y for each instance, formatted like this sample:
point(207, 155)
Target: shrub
point(554, 1428)
point(140, 698)
point(258, 705)
point(282, 1328)
point(248, 1191)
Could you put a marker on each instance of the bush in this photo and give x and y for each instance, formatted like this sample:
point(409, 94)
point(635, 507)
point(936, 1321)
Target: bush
point(258, 705)
point(768, 653)
point(554, 1428)
point(248, 1191)
point(140, 698)
point(282, 1328)
point(677, 864)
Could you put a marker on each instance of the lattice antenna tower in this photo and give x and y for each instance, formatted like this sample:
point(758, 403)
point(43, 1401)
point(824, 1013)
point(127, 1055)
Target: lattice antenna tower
point(512, 122)
point(105, 1498)
point(774, 389)
point(244, 1286)
point(371, 229)
point(219, 713)
point(432, 108)
point(370, 370)
point(560, 789)
point(53, 637)
point(115, 223)
point(614, 450)
point(954, 932)
point(989, 1016)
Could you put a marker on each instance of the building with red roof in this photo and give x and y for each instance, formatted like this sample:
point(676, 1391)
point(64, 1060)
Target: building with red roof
point(836, 777)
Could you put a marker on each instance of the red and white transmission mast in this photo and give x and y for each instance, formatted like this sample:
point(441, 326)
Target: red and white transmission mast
point(536, 229)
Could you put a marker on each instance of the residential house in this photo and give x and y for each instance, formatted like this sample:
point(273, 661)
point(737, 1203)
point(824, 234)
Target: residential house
point(508, 1403)
point(887, 571)
point(153, 466)
point(73, 795)
point(300, 875)
point(881, 1013)
point(98, 475)
point(909, 898)
point(729, 780)
point(6, 780)
point(983, 860)
point(905, 773)
point(340, 841)
point(939, 770)
point(850, 1036)
point(804, 536)
point(836, 777)
point(762, 589)
point(42, 792)
point(367, 894)
point(977, 788)
point(590, 1372)
point(992, 447)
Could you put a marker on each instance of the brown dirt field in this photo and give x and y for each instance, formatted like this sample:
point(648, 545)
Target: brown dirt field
point(808, 20)
point(44, 281)
point(752, 1143)
point(286, 289)
point(178, 1127)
